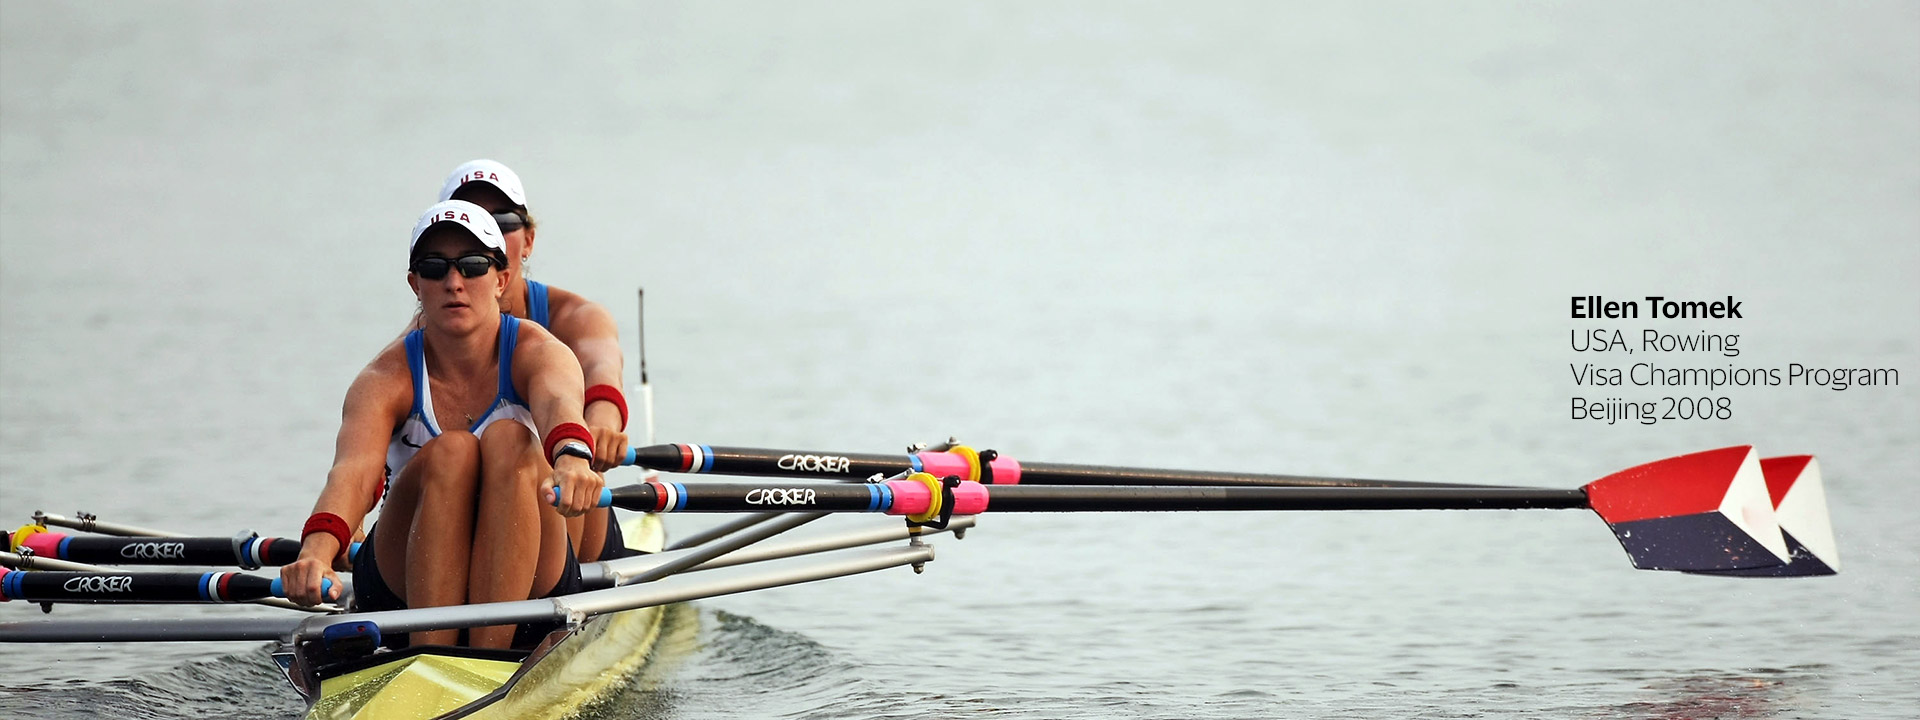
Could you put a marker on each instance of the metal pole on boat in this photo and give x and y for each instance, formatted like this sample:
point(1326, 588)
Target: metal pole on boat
point(738, 580)
point(722, 547)
point(596, 602)
point(88, 523)
point(201, 629)
point(645, 389)
point(722, 530)
point(810, 546)
point(889, 532)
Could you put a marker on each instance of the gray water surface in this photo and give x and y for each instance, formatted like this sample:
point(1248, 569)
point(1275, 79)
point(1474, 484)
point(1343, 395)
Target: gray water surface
point(1317, 239)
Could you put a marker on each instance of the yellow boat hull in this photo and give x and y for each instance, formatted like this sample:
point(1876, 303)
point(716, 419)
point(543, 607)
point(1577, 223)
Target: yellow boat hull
point(584, 665)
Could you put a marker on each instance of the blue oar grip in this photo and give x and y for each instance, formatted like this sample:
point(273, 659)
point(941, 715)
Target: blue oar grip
point(606, 498)
point(633, 457)
point(279, 590)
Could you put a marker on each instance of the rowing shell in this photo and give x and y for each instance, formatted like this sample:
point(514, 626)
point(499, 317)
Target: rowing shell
point(569, 669)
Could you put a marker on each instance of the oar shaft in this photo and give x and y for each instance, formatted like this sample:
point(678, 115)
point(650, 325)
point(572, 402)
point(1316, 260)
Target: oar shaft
point(1035, 473)
point(243, 551)
point(1001, 470)
point(760, 462)
point(910, 497)
point(1037, 498)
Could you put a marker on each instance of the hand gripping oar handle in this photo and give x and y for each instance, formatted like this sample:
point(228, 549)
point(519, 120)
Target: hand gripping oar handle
point(88, 587)
point(279, 589)
point(984, 466)
point(606, 500)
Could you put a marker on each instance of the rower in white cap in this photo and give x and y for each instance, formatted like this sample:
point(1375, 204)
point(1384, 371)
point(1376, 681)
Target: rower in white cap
point(447, 422)
point(586, 327)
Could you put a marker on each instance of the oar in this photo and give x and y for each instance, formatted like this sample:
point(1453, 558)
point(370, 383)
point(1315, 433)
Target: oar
point(985, 466)
point(913, 497)
point(1706, 511)
point(143, 587)
point(246, 549)
point(36, 562)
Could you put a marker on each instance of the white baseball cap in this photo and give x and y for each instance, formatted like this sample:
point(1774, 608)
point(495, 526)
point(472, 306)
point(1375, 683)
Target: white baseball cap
point(473, 218)
point(484, 170)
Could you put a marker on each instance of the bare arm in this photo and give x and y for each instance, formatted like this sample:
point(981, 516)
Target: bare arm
point(548, 376)
point(590, 331)
point(376, 402)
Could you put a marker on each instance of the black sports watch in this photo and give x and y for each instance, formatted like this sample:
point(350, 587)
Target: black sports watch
point(575, 448)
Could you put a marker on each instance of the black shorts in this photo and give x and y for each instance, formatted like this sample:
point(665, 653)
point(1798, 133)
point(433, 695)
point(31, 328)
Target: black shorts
point(372, 594)
point(615, 546)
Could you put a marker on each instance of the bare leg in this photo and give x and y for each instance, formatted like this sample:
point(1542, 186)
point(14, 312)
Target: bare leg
point(520, 542)
point(592, 538)
point(427, 528)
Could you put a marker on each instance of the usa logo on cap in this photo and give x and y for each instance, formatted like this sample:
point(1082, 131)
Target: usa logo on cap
point(473, 218)
point(486, 171)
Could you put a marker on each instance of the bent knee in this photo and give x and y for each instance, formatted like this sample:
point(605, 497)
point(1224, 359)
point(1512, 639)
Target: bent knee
point(452, 444)
point(511, 455)
point(506, 440)
point(455, 444)
point(451, 457)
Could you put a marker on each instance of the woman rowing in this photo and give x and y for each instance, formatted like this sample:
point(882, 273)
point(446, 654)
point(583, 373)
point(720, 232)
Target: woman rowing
point(585, 326)
point(447, 423)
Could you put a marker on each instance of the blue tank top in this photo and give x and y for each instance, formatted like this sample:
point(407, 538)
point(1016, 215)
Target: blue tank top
point(537, 303)
point(421, 425)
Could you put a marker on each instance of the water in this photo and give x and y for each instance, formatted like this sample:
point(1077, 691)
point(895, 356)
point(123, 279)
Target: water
point(1314, 239)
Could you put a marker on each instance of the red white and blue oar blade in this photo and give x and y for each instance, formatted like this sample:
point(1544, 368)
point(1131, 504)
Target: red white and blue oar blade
point(1800, 503)
point(1708, 511)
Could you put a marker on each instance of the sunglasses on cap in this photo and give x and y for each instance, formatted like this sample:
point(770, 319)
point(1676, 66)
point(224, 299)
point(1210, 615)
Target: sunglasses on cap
point(470, 266)
point(509, 221)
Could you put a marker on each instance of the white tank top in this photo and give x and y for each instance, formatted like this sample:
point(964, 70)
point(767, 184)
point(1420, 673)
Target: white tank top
point(420, 425)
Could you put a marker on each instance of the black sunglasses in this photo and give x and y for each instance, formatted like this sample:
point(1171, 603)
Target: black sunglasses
point(509, 221)
point(470, 266)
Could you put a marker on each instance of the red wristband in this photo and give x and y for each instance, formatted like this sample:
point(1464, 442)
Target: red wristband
point(330, 524)
point(610, 394)
point(567, 431)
